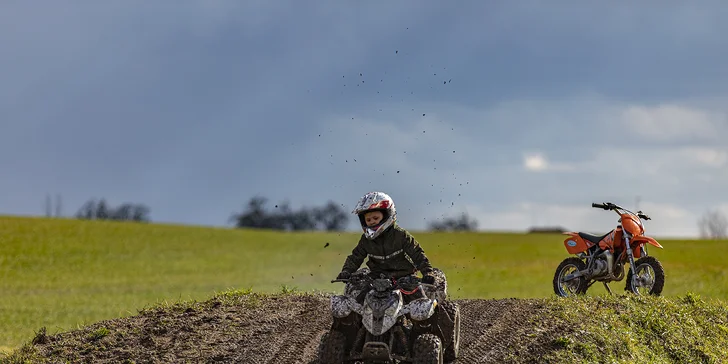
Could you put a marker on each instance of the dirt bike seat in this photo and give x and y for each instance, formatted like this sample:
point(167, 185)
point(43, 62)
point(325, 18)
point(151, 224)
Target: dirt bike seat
point(593, 238)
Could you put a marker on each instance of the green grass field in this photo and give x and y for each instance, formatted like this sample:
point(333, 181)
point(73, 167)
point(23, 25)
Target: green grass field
point(62, 273)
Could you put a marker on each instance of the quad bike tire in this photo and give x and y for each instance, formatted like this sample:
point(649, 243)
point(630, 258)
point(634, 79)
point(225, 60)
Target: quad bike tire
point(331, 348)
point(452, 348)
point(579, 265)
point(656, 266)
point(427, 349)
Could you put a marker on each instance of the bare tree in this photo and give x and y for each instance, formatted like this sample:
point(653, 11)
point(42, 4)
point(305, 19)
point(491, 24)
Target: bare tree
point(461, 223)
point(713, 225)
point(87, 211)
point(140, 213)
point(100, 210)
point(329, 217)
point(257, 217)
point(48, 206)
point(58, 205)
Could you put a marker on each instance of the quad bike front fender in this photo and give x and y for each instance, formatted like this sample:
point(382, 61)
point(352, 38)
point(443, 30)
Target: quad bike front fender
point(342, 306)
point(420, 309)
point(645, 239)
point(445, 322)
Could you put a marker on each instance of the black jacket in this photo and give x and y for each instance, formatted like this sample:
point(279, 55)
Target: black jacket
point(395, 253)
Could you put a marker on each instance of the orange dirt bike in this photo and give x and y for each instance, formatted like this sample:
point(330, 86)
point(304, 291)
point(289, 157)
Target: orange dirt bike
point(602, 258)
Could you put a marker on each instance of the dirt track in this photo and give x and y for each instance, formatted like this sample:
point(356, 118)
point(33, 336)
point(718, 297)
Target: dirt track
point(284, 329)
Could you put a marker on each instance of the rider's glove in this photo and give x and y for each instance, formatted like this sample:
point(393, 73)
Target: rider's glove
point(428, 279)
point(343, 275)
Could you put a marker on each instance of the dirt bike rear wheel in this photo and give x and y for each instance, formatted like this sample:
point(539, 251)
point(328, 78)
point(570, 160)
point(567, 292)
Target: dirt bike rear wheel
point(331, 348)
point(576, 286)
point(655, 279)
point(427, 349)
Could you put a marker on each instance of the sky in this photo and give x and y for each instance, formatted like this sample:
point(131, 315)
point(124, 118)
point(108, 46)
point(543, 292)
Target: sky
point(517, 113)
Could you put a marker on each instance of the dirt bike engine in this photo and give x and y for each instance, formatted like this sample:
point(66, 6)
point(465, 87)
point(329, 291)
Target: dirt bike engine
point(600, 266)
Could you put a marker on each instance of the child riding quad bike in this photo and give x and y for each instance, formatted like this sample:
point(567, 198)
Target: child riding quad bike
point(386, 312)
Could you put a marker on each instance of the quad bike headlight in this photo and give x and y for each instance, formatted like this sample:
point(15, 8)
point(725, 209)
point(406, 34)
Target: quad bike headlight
point(392, 310)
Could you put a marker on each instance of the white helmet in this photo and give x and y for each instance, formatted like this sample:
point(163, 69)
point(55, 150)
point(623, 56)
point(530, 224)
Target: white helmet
point(376, 201)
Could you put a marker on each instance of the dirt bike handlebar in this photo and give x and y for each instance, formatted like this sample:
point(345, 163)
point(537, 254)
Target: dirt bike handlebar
point(605, 206)
point(613, 207)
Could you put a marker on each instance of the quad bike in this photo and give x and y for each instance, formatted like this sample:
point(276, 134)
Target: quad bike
point(400, 321)
point(602, 258)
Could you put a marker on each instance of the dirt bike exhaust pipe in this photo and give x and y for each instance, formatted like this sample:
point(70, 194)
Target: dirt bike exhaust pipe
point(578, 274)
point(585, 272)
point(610, 263)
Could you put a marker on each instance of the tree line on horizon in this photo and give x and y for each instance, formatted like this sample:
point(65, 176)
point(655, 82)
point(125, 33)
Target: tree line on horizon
point(329, 217)
point(101, 210)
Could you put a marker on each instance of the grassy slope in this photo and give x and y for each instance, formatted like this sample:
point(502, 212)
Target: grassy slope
point(64, 273)
point(684, 329)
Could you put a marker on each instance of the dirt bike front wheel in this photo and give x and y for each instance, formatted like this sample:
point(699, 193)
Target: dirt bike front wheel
point(576, 286)
point(650, 277)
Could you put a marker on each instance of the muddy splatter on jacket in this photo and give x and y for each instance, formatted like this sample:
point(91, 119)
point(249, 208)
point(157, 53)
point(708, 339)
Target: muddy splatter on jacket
point(389, 253)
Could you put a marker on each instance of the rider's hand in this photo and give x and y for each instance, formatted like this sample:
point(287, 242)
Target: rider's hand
point(343, 275)
point(428, 279)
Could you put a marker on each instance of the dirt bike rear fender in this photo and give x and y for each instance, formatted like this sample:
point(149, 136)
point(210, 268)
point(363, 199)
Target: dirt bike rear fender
point(575, 244)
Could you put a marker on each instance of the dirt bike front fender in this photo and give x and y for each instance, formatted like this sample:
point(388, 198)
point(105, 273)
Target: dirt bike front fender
point(645, 239)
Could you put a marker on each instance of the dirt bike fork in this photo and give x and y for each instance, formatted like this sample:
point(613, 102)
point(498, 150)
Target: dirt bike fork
point(631, 262)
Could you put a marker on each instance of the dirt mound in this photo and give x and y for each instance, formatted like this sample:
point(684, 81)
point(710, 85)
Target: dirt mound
point(250, 328)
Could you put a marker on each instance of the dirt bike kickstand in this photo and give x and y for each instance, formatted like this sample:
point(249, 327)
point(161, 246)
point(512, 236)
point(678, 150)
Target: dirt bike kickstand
point(607, 287)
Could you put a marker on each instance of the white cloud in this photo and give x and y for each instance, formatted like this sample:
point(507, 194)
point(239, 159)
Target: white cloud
point(411, 156)
point(681, 163)
point(667, 220)
point(672, 122)
point(60, 59)
point(535, 162)
point(709, 157)
point(521, 216)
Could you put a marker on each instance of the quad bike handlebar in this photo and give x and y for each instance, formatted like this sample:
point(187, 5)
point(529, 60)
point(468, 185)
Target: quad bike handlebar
point(346, 280)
